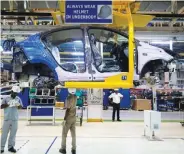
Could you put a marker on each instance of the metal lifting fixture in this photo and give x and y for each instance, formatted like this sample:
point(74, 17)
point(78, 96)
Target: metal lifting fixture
point(114, 81)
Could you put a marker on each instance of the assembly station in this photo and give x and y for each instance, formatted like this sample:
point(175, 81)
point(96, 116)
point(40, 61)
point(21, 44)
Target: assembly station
point(85, 77)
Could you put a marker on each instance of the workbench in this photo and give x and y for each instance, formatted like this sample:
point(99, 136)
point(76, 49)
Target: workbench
point(40, 110)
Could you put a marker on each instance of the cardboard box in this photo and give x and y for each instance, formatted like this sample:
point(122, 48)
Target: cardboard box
point(59, 104)
point(142, 104)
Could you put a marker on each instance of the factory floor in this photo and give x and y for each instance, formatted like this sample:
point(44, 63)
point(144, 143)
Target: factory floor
point(124, 137)
point(100, 138)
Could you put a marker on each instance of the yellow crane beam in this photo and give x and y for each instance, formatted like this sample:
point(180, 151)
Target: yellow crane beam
point(115, 81)
point(122, 18)
point(61, 6)
point(122, 5)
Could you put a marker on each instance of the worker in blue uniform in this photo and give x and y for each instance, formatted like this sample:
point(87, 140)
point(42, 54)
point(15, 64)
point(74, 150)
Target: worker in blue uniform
point(69, 121)
point(10, 104)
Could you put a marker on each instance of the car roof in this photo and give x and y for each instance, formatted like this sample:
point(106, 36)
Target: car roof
point(80, 26)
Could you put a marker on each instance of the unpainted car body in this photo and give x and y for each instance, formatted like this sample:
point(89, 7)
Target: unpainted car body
point(96, 52)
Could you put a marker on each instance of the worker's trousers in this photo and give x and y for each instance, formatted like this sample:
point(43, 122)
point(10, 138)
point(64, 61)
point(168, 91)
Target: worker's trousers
point(116, 107)
point(69, 125)
point(9, 126)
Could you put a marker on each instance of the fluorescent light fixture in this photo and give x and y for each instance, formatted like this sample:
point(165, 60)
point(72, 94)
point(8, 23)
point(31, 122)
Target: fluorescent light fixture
point(72, 62)
point(77, 53)
point(72, 53)
point(78, 41)
point(79, 62)
point(171, 45)
point(178, 41)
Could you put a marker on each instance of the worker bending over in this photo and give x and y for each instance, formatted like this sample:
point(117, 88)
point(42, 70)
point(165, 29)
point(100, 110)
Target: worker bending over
point(10, 104)
point(69, 121)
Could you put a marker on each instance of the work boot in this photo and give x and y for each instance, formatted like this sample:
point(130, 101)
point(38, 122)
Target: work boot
point(12, 150)
point(119, 120)
point(2, 151)
point(62, 151)
point(73, 151)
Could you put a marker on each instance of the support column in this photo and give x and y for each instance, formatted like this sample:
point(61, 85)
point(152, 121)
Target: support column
point(95, 105)
point(154, 98)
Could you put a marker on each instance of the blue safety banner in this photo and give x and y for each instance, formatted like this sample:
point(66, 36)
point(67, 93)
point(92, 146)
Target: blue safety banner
point(88, 12)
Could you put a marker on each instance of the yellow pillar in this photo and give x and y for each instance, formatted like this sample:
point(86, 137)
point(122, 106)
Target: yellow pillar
point(131, 43)
point(62, 6)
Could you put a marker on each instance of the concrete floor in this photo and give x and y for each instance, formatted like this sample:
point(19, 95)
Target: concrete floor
point(100, 138)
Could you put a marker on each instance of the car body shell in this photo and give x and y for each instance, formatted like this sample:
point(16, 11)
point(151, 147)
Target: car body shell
point(35, 52)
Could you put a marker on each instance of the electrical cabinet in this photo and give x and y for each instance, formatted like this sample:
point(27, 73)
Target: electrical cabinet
point(152, 122)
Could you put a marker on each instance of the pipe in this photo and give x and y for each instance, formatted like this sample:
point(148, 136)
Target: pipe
point(5, 13)
point(163, 15)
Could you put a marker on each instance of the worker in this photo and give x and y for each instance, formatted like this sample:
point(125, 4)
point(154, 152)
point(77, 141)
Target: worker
point(116, 98)
point(69, 121)
point(10, 104)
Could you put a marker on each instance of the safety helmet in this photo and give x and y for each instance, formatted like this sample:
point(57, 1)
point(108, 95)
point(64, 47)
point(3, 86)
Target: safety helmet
point(105, 11)
point(116, 89)
point(16, 89)
point(72, 90)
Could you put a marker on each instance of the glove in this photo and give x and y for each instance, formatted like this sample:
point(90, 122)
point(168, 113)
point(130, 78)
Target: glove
point(17, 104)
point(11, 103)
point(64, 122)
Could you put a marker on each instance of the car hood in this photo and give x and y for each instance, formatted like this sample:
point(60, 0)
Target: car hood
point(168, 51)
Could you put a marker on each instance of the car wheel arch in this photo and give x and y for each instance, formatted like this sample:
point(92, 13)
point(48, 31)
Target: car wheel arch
point(147, 64)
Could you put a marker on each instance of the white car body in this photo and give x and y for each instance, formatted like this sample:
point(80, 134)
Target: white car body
point(99, 55)
point(147, 53)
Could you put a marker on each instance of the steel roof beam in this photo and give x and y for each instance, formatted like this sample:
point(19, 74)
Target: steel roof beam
point(47, 27)
point(181, 11)
point(162, 14)
point(5, 13)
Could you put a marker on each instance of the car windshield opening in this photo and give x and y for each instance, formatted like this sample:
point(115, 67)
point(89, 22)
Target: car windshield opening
point(67, 47)
point(110, 50)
